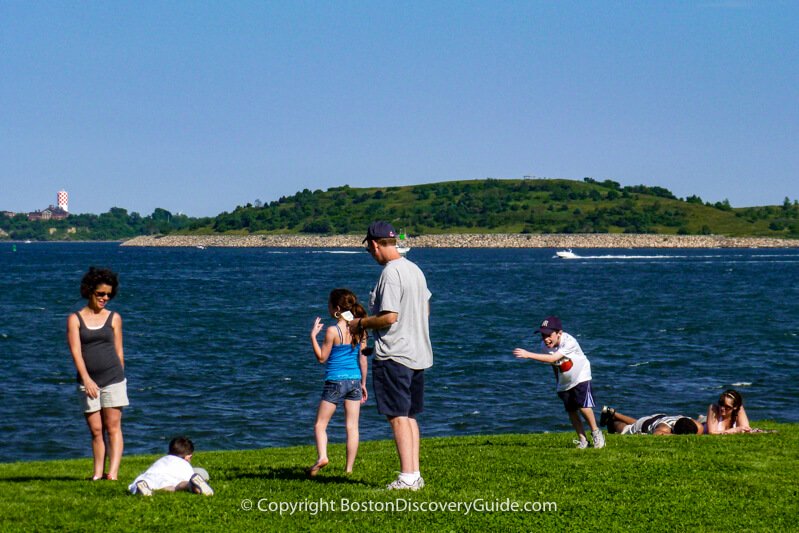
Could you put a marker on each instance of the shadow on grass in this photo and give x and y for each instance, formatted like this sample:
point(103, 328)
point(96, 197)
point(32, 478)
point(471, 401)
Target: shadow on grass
point(520, 442)
point(28, 479)
point(294, 474)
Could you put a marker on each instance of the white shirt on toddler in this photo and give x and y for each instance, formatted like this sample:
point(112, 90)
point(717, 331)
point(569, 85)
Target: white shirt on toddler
point(167, 471)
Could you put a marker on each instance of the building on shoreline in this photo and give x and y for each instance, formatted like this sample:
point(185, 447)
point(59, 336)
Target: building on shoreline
point(51, 213)
point(60, 211)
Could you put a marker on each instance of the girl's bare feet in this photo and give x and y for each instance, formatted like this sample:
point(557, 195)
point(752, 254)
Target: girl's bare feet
point(320, 464)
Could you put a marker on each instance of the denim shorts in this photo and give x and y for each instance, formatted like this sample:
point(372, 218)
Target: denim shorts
point(345, 389)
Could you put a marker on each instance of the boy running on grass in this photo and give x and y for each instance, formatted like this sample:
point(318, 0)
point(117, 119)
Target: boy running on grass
point(573, 375)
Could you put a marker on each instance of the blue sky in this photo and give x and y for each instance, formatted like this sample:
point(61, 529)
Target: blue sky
point(200, 106)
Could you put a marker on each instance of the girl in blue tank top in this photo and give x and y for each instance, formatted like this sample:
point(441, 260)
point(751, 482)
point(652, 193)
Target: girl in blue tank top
point(345, 374)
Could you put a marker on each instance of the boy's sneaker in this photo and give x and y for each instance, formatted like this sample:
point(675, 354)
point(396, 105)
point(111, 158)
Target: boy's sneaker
point(606, 416)
point(143, 489)
point(599, 438)
point(581, 444)
point(200, 486)
point(399, 484)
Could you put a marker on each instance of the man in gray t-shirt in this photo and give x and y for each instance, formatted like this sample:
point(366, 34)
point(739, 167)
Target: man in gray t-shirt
point(400, 310)
point(402, 289)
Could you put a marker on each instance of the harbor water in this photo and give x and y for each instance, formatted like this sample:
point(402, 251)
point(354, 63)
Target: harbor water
point(217, 340)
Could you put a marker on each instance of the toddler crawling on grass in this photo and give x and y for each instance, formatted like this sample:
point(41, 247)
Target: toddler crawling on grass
point(173, 472)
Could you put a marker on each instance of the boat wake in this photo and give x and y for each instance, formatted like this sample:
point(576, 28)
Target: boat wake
point(631, 256)
point(568, 254)
point(660, 257)
point(335, 252)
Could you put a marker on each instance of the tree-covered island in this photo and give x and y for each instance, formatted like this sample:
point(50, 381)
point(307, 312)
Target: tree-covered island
point(474, 206)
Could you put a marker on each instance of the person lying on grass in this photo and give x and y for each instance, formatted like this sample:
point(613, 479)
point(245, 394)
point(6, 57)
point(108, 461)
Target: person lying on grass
point(173, 472)
point(657, 424)
point(728, 415)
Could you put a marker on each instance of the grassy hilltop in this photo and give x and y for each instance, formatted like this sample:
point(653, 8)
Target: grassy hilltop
point(510, 206)
point(639, 483)
point(476, 206)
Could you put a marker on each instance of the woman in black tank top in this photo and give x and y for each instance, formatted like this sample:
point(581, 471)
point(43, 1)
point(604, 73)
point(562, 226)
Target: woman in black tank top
point(94, 335)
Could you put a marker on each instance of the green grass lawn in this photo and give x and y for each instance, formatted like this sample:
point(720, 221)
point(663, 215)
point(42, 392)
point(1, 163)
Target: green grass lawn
point(675, 483)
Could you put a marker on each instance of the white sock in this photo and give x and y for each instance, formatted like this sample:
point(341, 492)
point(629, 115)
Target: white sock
point(409, 479)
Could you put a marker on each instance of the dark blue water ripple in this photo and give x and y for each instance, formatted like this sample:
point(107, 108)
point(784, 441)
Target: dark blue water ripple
point(216, 341)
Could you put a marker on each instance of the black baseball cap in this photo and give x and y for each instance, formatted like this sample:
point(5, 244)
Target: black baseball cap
point(380, 230)
point(550, 324)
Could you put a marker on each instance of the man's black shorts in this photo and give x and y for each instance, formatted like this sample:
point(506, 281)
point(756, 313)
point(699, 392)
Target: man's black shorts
point(399, 390)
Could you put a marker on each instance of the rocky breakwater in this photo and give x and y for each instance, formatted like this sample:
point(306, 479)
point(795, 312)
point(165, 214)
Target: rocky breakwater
point(500, 240)
point(248, 241)
point(597, 240)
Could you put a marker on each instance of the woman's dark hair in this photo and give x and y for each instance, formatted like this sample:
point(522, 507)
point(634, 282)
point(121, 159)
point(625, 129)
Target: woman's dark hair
point(737, 402)
point(345, 300)
point(98, 276)
point(181, 446)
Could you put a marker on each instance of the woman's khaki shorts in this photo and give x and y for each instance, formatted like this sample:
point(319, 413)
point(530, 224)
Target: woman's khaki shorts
point(114, 395)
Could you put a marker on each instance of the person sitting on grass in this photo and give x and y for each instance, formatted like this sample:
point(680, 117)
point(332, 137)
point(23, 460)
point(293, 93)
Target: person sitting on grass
point(657, 424)
point(173, 472)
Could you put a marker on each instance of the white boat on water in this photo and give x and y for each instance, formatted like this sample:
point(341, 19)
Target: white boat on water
point(402, 246)
point(566, 254)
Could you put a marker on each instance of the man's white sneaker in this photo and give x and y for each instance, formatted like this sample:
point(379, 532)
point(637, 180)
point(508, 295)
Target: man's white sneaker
point(399, 484)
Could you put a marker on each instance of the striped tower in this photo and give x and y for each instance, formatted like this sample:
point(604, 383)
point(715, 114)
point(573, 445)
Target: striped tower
point(62, 200)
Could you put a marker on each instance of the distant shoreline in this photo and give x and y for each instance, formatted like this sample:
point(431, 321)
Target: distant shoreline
point(504, 240)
